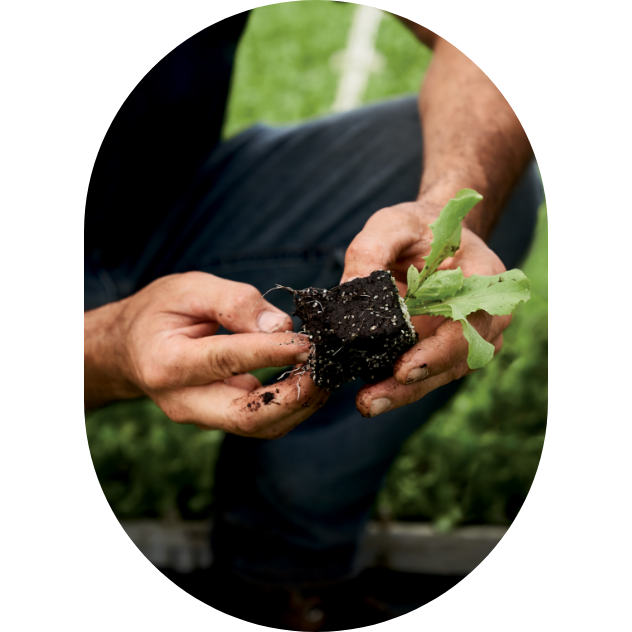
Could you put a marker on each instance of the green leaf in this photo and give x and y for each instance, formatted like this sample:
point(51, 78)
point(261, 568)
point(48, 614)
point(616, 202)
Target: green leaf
point(446, 230)
point(439, 286)
point(480, 352)
point(412, 281)
point(497, 295)
point(447, 293)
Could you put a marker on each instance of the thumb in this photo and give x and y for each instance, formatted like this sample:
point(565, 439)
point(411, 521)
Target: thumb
point(239, 307)
point(391, 234)
point(364, 255)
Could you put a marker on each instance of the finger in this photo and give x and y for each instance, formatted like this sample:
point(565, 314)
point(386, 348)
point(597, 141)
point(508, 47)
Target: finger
point(376, 399)
point(200, 330)
point(446, 348)
point(280, 428)
point(237, 306)
point(266, 412)
point(194, 362)
point(385, 236)
point(498, 343)
point(286, 424)
point(425, 326)
point(246, 381)
point(364, 255)
point(297, 396)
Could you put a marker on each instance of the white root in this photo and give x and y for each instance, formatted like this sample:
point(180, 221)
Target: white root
point(286, 373)
point(298, 383)
point(278, 287)
point(298, 386)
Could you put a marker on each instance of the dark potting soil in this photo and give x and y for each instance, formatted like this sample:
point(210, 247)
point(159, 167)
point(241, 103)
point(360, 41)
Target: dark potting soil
point(357, 329)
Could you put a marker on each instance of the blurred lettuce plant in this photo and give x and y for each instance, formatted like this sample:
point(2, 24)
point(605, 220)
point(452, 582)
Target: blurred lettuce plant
point(150, 467)
point(476, 459)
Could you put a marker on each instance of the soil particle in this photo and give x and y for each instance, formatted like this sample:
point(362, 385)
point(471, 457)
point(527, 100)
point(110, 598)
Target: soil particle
point(267, 398)
point(357, 329)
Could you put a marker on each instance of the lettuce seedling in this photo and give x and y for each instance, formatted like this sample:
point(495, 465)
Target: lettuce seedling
point(433, 292)
point(361, 327)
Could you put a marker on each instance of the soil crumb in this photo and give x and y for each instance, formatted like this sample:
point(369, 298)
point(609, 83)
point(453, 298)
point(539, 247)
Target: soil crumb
point(267, 398)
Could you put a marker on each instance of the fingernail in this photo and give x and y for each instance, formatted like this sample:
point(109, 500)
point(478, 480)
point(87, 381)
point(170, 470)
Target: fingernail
point(271, 321)
point(379, 406)
point(417, 374)
point(302, 357)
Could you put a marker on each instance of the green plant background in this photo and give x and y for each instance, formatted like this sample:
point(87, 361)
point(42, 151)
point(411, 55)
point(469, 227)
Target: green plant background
point(474, 462)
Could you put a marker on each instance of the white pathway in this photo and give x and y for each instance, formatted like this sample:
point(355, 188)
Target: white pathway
point(358, 60)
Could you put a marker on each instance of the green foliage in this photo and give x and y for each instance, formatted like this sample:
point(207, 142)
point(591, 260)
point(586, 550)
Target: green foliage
point(433, 292)
point(439, 286)
point(497, 295)
point(406, 61)
point(147, 465)
point(282, 71)
point(446, 231)
point(475, 460)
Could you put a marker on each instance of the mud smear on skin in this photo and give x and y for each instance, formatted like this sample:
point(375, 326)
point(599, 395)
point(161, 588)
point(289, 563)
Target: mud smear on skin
point(257, 400)
point(260, 399)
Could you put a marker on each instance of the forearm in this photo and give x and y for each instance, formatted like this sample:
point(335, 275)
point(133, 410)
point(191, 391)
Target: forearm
point(472, 138)
point(103, 379)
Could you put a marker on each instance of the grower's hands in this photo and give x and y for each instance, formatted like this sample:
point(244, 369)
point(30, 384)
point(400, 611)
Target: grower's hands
point(162, 343)
point(393, 239)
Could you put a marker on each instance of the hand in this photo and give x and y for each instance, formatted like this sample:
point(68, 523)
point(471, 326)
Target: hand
point(393, 239)
point(161, 342)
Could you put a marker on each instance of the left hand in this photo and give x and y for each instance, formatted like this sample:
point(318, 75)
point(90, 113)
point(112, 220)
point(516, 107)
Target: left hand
point(393, 239)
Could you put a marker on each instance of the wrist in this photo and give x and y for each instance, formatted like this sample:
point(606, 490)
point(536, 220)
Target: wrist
point(105, 377)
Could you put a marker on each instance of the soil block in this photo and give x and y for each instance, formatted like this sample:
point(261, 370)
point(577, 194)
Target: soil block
point(357, 329)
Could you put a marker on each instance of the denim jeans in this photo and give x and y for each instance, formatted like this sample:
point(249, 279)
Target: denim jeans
point(281, 205)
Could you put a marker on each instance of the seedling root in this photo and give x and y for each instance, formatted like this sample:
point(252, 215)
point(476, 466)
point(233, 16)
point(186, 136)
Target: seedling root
point(278, 287)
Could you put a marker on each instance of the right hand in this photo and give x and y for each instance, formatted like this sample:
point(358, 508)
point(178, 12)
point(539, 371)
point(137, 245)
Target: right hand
point(161, 342)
